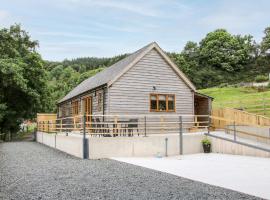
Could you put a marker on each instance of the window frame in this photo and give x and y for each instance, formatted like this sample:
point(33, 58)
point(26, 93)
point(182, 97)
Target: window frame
point(75, 107)
point(157, 102)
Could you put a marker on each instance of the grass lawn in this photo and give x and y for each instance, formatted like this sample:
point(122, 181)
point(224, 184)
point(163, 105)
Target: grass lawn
point(249, 99)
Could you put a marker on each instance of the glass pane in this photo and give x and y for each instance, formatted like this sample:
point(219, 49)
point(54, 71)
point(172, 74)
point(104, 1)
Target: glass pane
point(162, 105)
point(153, 97)
point(171, 98)
point(170, 105)
point(162, 97)
point(153, 105)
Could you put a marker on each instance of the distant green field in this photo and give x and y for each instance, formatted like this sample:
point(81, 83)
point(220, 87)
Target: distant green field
point(249, 99)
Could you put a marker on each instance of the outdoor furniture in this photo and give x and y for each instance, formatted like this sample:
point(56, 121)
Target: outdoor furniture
point(131, 126)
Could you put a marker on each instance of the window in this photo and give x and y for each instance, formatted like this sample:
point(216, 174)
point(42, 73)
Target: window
point(162, 102)
point(75, 107)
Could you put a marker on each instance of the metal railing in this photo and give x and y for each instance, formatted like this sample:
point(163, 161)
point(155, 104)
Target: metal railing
point(250, 135)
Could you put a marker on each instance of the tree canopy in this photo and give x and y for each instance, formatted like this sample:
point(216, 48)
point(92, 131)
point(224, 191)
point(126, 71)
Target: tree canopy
point(23, 83)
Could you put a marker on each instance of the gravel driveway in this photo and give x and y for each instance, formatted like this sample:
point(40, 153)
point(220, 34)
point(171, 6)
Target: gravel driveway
point(30, 170)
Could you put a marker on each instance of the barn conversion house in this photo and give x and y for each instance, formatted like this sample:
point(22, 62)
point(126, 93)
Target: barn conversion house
point(145, 82)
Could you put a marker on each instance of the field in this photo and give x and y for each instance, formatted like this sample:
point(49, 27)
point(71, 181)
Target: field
point(249, 99)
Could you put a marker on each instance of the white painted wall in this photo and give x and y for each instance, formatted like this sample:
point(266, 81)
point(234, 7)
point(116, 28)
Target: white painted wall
point(143, 146)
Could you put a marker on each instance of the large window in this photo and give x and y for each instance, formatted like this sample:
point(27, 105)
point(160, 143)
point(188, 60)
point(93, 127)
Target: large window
point(162, 102)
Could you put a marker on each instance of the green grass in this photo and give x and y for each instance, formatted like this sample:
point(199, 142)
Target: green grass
point(249, 99)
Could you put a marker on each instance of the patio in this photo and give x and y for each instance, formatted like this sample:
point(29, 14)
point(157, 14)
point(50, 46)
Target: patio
point(245, 174)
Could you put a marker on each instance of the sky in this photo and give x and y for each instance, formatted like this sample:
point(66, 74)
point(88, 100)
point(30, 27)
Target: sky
point(69, 29)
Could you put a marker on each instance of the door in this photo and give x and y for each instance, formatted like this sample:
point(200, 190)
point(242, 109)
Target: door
point(88, 110)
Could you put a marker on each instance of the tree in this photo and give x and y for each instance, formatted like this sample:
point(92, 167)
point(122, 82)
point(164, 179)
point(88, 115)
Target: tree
point(265, 44)
point(224, 51)
point(23, 83)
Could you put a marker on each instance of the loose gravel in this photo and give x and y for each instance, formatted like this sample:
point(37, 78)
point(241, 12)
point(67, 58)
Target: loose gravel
point(30, 170)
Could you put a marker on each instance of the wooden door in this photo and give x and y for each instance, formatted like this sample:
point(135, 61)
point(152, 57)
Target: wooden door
point(88, 110)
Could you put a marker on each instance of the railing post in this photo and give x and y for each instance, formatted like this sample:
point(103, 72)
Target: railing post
point(234, 131)
point(180, 135)
point(85, 141)
point(49, 126)
point(166, 147)
point(208, 126)
point(61, 126)
point(144, 126)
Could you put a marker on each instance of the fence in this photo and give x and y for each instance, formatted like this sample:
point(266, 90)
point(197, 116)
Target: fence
point(124, 125)
point(226, 116)
point(123, 135)
point(111, 135)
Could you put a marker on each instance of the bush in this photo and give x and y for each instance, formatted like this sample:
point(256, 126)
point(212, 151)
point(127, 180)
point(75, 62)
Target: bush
point(261, 78)
point(206, 141)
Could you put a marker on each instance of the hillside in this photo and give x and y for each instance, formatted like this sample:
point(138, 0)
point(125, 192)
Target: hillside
point(255, 100)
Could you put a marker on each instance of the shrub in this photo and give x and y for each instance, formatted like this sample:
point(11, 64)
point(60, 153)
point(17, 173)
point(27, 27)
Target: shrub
point(206, 141)
point(261, 78)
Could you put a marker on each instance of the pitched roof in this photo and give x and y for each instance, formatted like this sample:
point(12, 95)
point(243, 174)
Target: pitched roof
point(112, 73)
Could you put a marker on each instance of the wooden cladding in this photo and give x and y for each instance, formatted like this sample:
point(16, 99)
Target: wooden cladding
point(99, 101)
point(87, 102)
point(162, 102)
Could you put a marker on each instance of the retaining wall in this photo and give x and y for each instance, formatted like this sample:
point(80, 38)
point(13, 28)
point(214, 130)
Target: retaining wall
point(106, 147)
point(227, 147)
point(69, 144)
point(152, 145)
point(251, 132)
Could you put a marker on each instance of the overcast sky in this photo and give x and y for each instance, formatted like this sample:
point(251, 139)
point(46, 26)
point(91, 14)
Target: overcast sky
point(79, 28)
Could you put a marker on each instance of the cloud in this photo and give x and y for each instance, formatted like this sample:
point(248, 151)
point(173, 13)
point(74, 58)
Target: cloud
point(150, 8)
point(71, 35)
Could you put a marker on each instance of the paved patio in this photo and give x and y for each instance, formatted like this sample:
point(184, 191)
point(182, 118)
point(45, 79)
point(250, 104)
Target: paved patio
point(245, 174)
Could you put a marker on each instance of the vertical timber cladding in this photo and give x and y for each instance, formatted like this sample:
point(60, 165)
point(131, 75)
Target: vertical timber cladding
point(152, 74)
point(87, 109)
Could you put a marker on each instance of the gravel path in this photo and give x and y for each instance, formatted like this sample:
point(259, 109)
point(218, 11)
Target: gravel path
point(30, 170)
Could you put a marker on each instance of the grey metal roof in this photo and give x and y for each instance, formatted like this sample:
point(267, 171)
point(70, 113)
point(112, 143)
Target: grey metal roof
point(104, 76)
